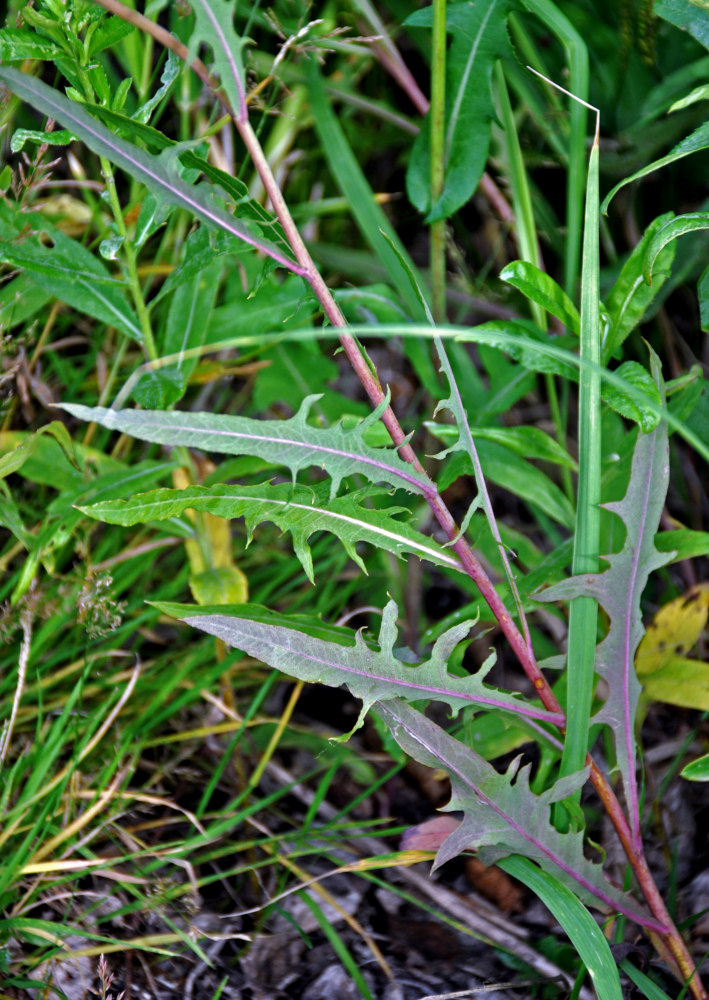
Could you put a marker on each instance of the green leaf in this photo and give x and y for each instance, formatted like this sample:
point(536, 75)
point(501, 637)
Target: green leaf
point(634, 374)
point(670, 231)
point(528, 442)
point(631, 296)
point(512, 473)
point(699, 139)
point(578, 924)
point(682, 543)
point(370, 674)
point(687, 15)
point(18, 44)
point(70, 272)
point(538, 286)
point(214, 24)
point(479, 39)
point(300, 510)
point(60, 137)
point(292, 442)
point(141, 166)
point(697, 770)
point(501, 815)
point(14, 460)
point(187, 324)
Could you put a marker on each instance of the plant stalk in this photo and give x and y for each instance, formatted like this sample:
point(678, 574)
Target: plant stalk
point(468, 559)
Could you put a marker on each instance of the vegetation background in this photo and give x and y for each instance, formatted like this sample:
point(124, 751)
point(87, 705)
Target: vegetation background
point(166, 797)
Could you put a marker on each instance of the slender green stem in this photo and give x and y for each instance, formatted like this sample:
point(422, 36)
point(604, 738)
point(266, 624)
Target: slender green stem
point(583, 616)
point(438, 159)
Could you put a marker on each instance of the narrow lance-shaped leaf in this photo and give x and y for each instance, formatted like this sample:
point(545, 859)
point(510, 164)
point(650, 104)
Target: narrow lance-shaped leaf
point(670, 231)
point(501, 815)
point(214, 24)
point(479, 32)
point(370, 674)
point(151, 170)
point(291, 442)
point(299, 510)
point(618, 590)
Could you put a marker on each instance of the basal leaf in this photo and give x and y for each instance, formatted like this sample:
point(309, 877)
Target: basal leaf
point(299, 510)
point(291, 442)
point(618, 590)
point(479, 39)
point(538, 286)
point(501, 815)
point(370, 674)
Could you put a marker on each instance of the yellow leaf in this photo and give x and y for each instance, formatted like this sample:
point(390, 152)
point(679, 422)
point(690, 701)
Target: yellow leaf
point(214, 576)
point(679, 682)
point(672, 633)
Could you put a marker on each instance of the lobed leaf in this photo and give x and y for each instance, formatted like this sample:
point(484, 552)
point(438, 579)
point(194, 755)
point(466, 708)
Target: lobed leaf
point(501, 815)
point(370, 674)
point(291, 442)
point(299, 510)
point(619, 590)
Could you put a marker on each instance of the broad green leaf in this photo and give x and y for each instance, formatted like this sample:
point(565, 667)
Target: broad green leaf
point(618, 590)
point(634, 374)
point(187, 324)
point(70, 272)
point(151, 170)
point(501, 815)
point(703, 293)
point(699, 139)
point(670, 231)
point(697, 770)
point(513, 473)
point(369, 673)
point(293, 442)
point(682, 543)
point(584, 933)
point(528, 442)
point(538, 286)
point(14, 460)
point(18, 44)
point(479, 39)
point(110, 32)
point(630, 296)
point(687, 15)
point(300, 510)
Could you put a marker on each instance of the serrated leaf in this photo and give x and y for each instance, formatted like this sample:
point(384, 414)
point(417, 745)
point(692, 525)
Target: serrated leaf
point(539, 287)
point(630, 296)
point(292, 442)
point(501, 815)
point(528, 442)
point(618, 590)
point(299, 510)
point(369, 673)
point(690, 223)
point(479, 39)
